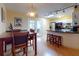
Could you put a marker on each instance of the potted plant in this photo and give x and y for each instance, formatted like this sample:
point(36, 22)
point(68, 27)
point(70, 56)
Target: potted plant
point(50, 27)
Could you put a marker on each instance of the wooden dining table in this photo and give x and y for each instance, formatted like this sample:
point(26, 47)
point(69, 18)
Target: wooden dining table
point(8, 36)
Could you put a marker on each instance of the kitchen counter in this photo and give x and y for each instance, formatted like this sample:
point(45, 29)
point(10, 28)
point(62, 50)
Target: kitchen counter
point(64, 31)
point(70, 39)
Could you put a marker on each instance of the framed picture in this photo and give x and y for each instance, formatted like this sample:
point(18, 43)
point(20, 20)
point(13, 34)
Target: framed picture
point(17, 21)
point(2, 15)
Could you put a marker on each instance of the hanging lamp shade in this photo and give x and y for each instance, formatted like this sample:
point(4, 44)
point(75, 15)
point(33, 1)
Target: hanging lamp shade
point(32, 12)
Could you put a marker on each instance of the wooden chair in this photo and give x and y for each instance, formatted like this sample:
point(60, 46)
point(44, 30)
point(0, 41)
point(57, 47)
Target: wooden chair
point(10, 41)
point(32, 30)
point(20, 40)
point(31, 38)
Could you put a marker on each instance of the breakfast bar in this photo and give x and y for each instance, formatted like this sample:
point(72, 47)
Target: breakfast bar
point(69, 39)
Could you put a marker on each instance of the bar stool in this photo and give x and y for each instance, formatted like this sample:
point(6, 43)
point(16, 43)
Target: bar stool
point(49, 36)
point(51, 39)
point(54, 39)
point(59, 40)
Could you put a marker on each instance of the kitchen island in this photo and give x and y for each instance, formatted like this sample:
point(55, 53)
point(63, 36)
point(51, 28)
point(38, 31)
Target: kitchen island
point(70, 39)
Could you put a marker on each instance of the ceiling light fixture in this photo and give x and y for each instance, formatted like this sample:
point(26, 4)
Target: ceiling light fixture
point(32, 11)
point(31, 14)
point(63, 10)
point(50, 16)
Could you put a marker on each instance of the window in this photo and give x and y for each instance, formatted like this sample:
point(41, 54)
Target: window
point(32, 24)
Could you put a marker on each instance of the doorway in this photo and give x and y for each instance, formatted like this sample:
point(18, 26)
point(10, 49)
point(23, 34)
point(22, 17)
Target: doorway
point(36, 25)
point(39, 27)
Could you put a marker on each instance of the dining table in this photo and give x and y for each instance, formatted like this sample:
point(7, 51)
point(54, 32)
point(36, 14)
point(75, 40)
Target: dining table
point(8, 36)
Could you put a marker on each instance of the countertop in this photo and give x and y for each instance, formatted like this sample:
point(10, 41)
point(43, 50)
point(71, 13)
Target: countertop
point(64, 31)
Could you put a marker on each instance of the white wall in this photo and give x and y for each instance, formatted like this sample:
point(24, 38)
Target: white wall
point(11, 14)
point(2, 24)
point(45, 27)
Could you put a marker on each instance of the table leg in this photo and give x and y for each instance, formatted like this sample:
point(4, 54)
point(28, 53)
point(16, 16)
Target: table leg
point(1, 48)
point(35, 44)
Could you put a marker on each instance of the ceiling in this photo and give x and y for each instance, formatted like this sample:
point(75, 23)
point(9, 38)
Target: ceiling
point(43, 9)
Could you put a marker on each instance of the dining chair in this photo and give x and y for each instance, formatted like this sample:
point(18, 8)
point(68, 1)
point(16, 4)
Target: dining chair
point(31, 38)
point(20, 41)
point(8, 42)
point(32, 30)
